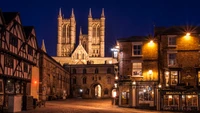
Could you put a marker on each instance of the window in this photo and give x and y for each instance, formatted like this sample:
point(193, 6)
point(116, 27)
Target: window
point(137, 50)
point(96, 71)
point(74, 71)
point(99, 78)
point(171, 41)
point(25, 67)
point(172, 59)
point(106, 91)
point(171, 102)
point(137, 69)
point(84, 71)
point(174, 77)
point(30, 50)
point(13, 41)
point(199, 78)
point(146, 93)
point(108, 70)
point(8, 61)
point(84, 80)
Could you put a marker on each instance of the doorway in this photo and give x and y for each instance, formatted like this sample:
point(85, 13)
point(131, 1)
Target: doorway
point(97, 90)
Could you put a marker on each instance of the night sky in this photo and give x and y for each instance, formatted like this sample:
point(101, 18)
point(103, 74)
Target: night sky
point(124, 18)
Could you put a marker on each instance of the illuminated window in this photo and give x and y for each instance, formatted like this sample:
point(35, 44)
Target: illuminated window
point(171, 102)
point(146, 93)
point(172, 59)
point(137, 69)
point(171, 41)
point(174, 77)
point(137, 49)
point(199, 78)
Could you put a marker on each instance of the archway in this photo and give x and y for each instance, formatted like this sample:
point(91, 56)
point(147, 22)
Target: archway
point(97, 91)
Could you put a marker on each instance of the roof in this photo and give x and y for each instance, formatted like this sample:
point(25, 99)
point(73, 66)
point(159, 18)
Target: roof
point(133, 39)
point(28, 30)
point(9, 16)
point(176, 30)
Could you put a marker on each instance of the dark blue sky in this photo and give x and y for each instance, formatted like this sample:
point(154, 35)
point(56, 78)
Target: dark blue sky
point(124, 18)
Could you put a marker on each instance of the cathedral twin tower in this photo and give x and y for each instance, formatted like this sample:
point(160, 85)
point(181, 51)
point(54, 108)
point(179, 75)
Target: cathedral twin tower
point(93, 42)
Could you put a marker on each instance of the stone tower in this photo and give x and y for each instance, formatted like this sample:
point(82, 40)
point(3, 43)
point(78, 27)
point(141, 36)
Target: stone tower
point(96, 35)
point(66, 35)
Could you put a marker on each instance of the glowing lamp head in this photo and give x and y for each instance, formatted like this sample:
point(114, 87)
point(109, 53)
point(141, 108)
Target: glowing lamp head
point(187, 34)
point(35, 82)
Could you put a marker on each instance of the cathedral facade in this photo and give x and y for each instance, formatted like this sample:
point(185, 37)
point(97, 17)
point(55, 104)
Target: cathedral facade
point(92, 74)
point(91, 47)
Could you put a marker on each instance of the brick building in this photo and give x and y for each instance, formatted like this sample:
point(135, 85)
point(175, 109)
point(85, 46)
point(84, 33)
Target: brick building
point(161, 73)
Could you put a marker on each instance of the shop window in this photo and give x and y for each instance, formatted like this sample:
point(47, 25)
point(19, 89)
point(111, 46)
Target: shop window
point(9, 88)
point(136, 69)
point(171, 102)
point(198, 78)
point(146, 94)
point(189, 102)
point(125, 98)
point(167, 78)
point(174, 77)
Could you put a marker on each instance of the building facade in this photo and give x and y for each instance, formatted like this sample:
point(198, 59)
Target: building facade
point(92, 80)
point(160, 73)
point(18, 56)
point(54, 80)
point(91, 47)
point(179, 61)
point(138, 72)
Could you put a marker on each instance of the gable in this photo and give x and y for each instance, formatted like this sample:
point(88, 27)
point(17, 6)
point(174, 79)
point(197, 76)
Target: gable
point(80, 53)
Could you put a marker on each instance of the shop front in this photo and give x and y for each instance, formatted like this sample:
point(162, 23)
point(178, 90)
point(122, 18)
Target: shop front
point(138, 95)
point(179, 100)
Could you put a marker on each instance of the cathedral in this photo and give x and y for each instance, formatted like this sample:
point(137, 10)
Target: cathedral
point(92, 75)
point(91, 47)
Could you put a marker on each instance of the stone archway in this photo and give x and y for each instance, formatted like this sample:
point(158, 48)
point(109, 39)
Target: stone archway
point(96, 91)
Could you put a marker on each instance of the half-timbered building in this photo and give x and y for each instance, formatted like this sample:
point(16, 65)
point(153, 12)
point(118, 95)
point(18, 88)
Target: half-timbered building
point(18, 55)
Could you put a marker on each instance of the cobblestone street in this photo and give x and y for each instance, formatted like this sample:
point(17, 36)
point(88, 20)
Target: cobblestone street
point(85, 106)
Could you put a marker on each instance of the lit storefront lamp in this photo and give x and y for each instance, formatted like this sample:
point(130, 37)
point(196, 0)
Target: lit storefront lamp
point(115, 85)
point(187, 36)
point(116, 77)
point(151, 43)
point(134, 83)
point(150, 72)
point(35, 82)
point(159, 86)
